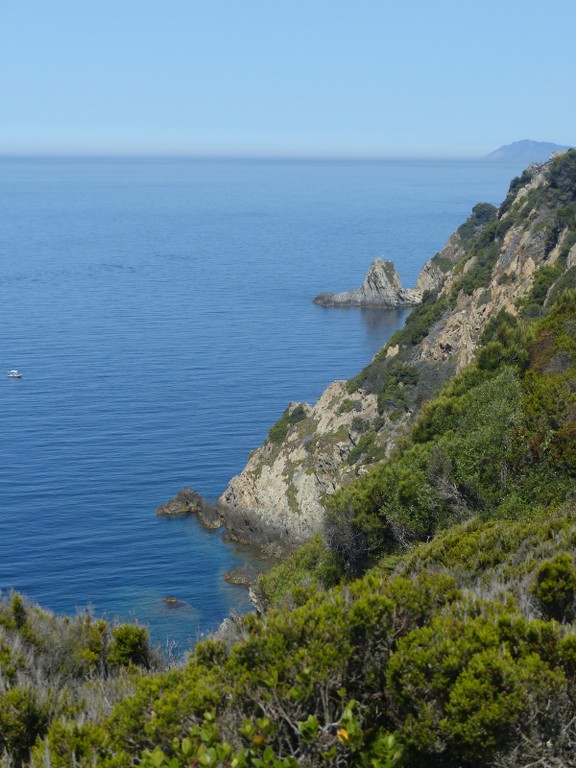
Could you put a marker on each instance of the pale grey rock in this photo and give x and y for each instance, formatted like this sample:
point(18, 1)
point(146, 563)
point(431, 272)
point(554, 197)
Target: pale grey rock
point(430, 278)
point(381, 288)
point(277, 500)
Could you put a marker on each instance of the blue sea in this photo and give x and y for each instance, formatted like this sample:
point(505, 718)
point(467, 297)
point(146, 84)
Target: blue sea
point(160, 312)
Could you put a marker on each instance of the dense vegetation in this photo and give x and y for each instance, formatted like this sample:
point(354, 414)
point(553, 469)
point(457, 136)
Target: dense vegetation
point(57, 667)
point(432, 626)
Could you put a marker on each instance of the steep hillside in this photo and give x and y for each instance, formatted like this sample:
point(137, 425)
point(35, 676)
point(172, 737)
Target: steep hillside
point(505, 259)
point(433, 623)
point(433, 627)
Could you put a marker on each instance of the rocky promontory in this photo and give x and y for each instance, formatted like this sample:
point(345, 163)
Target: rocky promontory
point(505, 260)
point(381, 288)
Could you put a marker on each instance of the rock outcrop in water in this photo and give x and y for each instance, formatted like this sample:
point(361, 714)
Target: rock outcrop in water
point(381, 288)
point(188, 502)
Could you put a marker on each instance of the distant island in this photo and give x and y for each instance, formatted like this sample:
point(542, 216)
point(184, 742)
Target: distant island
point(525, 151)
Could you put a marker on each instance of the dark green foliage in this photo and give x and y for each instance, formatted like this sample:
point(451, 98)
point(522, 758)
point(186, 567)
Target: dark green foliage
point(482, 215)
point(498, 327)
point(18, 611)
point(459, 689)
point(393, 391)
point(567, 282)
point(23, 718)
point(290, 417)
point(359, 424)
point(457, 465)
point(503, 340)
point(562, 179)
point(354, 529)
point(443, 263)
point(347, 406)
point(367, 449)
point(532, 305)
point(515, 185)
point(555, 588)
point(129, 647)
point(311, 569)
point(420, 321)
point(485, 256)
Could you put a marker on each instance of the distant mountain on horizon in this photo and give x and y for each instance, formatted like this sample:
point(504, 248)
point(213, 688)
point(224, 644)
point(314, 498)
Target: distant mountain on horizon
point(526, 151)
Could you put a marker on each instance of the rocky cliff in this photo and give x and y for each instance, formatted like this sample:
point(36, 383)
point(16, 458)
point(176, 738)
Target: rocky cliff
point(509, 259)
point(381, 288)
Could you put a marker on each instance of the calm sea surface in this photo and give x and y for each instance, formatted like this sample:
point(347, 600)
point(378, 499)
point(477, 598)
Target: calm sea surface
point(161, 314)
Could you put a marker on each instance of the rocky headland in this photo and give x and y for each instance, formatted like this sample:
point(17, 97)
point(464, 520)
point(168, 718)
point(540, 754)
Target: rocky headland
point(499, 259)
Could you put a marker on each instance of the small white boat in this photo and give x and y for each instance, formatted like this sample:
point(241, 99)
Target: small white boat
point(14, 374)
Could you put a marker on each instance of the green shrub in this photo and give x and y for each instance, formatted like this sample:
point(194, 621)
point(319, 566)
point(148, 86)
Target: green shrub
point(544, 278)
point(23, 719)
point(515, 186)
point(19, 613)
point(278, 431)
point(482, 215)
point(443, 263)
point(310, 569)
point(420, 321)
point(129, 647)
point(555, 588)
point(460, 689)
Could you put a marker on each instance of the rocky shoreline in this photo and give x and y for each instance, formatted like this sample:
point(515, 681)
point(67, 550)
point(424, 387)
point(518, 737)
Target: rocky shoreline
point(277, 502)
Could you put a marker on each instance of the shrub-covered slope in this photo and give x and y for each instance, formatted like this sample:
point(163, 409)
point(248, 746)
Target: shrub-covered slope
point(60, 667)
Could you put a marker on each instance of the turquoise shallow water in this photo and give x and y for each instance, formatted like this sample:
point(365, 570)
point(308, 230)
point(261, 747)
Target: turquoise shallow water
point(161, 314)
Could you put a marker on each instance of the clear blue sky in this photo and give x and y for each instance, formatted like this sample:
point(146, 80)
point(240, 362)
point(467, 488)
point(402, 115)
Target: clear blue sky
point(285, 77)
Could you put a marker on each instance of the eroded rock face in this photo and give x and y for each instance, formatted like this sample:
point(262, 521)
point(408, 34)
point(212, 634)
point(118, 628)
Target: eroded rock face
point(276, 502)
point(522, 252)
point(381, 288)
point(432, 276)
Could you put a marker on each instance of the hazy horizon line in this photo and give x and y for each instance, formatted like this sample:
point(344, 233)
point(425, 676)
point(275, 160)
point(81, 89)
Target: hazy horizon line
point(303, 156)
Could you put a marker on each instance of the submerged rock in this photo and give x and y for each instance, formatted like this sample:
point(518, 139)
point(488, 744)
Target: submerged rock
point(173, 602)
point(381, 288)
point(243, 576)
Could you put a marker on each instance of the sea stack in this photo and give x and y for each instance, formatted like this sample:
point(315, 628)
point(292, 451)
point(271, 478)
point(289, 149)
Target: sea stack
point(381, 289)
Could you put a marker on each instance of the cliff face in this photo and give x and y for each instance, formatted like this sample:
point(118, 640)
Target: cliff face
point(508, 259)
point(277, 500)
point(532, 238)
point(381, 288)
